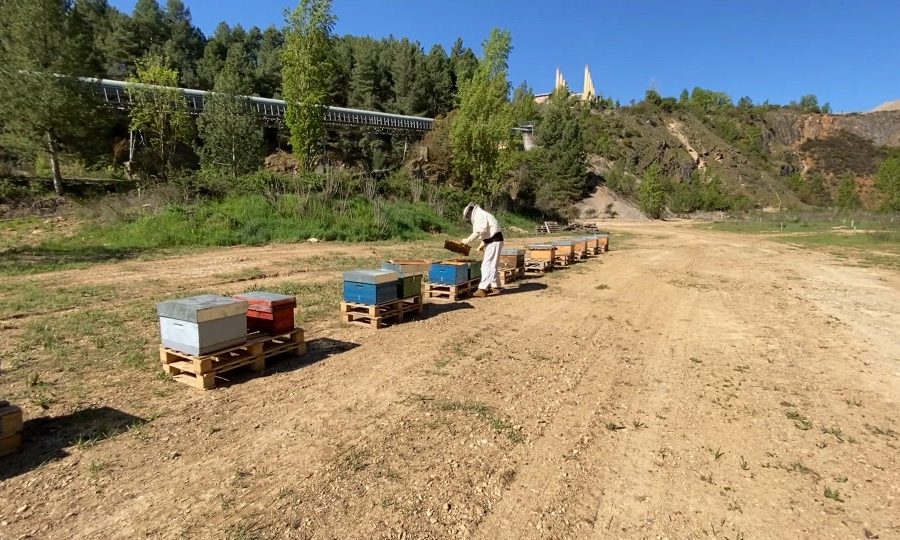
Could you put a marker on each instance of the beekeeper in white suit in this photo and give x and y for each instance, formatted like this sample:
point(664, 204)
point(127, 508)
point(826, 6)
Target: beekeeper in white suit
point(486, 229)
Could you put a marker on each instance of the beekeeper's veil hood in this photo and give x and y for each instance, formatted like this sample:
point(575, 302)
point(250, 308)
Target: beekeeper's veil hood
point(467, 213)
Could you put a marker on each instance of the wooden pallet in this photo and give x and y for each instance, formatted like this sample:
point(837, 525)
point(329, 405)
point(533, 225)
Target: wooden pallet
point(452, 293)
point(537, 267)
point(509, 275)
point(562, 261)
point(376, 316)
point(202, 371)
point(548, 227)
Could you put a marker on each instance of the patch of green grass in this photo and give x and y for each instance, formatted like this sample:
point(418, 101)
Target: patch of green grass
point(483, 412)
point(873, 240)
point(24, 298)
point(833, 494)
point(76, 340)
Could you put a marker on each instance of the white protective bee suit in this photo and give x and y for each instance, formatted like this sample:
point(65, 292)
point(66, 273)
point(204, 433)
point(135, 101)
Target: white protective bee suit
point(486, 228)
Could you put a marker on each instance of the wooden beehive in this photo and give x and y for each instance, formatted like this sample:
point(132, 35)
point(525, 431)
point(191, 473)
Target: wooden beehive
point(542, 252)
point(565, 247)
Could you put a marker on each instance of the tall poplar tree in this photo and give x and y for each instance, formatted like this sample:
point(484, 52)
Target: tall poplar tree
point(481, 135)
point(306, 74)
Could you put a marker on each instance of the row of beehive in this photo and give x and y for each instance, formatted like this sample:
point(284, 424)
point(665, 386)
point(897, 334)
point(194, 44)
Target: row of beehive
point(370, 294)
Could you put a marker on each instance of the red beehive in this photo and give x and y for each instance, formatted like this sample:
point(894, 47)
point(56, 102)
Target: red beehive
point(269, 313)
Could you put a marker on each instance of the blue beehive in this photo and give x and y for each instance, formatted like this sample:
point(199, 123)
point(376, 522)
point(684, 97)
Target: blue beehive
point(370, 287)
point(449, 273)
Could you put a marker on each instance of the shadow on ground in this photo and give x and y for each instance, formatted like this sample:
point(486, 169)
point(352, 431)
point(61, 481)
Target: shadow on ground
point(524, 287)
point(316, 350)
point(46, 439)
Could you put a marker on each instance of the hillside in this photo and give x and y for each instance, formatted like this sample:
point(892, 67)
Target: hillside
point(765, 156)
point(888, 106)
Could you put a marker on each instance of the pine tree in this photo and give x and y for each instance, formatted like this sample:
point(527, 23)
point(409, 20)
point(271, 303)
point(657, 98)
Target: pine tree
point(184, 43)
point(481, 134)
point(230, 131)
point(148, 25)
point(440, 82)
point(43, 107)
point(410, 78)
point(306, 71)
point(160, 114)
point(268, 62)
point(463, 63)
point(563, 166)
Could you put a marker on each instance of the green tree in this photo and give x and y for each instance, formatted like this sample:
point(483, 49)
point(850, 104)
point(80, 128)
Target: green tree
point(158, 112)
point(306, 73)
point(524, 109)
point(184, 42)
point(231, 134)
point(562, 167)
point(148, 27)
point(268, 62)
point(887, 181)
point(410, 78)
point(652, 192)
point(810, 103)
point(818, 193)
point(43, 108)
point(847, 196)
point(440, 82)
point(481, 135)
point(463, 63)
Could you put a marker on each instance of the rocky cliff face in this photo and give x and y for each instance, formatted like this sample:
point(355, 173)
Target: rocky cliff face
point(882, 128)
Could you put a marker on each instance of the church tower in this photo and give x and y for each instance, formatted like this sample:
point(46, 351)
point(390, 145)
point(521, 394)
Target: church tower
point(589, 92)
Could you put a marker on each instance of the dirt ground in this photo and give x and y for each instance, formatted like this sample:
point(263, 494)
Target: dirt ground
point(688, 384)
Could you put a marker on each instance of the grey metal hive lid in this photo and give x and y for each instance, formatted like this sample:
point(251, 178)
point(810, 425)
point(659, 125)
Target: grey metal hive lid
point(512, 251)
point(370, 276)
point(205, 307)
point(539, 246)
point(564, 243)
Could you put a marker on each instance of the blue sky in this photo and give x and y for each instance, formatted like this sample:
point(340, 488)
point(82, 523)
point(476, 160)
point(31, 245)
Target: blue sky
point(847, 52)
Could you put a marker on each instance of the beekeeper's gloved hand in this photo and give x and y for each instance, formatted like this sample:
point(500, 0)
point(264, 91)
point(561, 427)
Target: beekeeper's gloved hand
point(464, 241)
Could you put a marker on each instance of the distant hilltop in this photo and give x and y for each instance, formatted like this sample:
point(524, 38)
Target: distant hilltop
point(888, 106)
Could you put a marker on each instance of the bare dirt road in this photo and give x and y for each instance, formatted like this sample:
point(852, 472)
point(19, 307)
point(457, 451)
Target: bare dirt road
point(689, 384)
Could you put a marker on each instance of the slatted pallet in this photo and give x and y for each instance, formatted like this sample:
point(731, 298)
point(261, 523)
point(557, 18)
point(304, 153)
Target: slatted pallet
point(376, 316)
point(562, 261)
point(537, 267)
point(548, 227)
point(10, 429)
point(509, 275)
point(202, 371)
point(452, 293)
